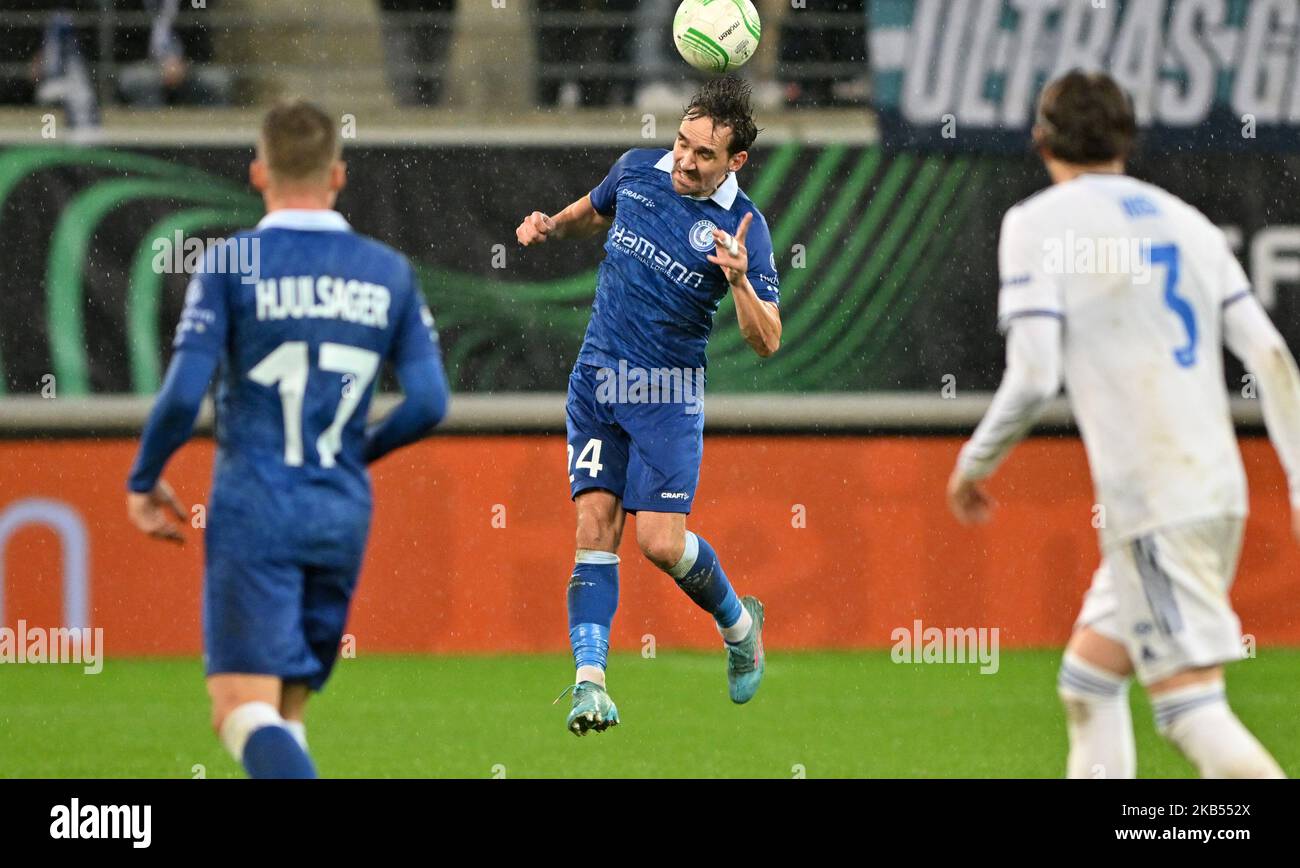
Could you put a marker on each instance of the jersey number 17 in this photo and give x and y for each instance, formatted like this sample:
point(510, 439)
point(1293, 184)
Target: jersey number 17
point(289, 364)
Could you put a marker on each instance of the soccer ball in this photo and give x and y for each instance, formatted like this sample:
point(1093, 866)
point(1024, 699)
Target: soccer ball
point(716, 35)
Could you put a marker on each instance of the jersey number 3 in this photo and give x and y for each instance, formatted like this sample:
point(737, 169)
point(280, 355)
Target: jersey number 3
point(1167, 255)
point(289, 364)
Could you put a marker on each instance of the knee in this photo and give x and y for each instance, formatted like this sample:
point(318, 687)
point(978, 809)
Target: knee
point(1197, 720)
point(231, 693)
point(662, 547)
point(1082, 685)
point(596, 533)
point(222, 706)
point(237, 723)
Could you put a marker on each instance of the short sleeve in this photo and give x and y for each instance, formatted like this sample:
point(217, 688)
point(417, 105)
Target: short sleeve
point(205, 318)
point(416, 335)
point(1029, 286)
point(762, 261)
point(604, 197)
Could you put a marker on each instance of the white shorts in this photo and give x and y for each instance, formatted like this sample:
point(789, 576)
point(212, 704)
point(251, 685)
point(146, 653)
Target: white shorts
point(1164, 597)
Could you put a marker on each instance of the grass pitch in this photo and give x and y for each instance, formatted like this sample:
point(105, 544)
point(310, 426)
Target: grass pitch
point(826, 714)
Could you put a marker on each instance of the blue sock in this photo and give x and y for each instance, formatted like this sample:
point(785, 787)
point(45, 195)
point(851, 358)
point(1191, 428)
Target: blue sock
point(593, 598)
point(273, 752)
point(700, 575)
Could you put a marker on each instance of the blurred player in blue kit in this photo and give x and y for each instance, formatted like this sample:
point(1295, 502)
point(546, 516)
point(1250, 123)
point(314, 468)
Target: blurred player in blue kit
point(296, 346)
point(679, 235)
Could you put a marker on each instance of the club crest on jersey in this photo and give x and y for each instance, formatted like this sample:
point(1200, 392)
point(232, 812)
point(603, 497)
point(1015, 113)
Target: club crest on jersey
point(702, 235)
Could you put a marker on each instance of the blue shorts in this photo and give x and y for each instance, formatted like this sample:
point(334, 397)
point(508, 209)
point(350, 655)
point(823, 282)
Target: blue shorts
point(646, 453)
point(275, 600)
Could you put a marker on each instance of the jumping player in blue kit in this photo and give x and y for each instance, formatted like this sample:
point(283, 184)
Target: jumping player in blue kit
point(296, 346)
point(680, 236)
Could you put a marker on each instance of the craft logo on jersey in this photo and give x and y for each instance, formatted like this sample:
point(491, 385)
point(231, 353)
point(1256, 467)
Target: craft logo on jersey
point(702, 235)
point(635, 196)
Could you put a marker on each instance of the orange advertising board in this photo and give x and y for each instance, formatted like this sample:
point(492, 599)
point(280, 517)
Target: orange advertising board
point(844, 538)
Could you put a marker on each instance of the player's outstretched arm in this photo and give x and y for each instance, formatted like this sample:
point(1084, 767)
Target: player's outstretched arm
point(424, 404)
point(579, 220)
point(1032, 379)
point(1253, 338)
point(170, 424)
point(759, 320)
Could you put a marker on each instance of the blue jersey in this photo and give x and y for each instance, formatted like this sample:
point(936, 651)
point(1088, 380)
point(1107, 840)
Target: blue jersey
point(301, 336)
point(657, 293)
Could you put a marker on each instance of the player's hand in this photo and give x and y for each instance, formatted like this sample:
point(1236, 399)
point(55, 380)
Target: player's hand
point(968, 500)
point(731, 253)
point(535, 229)
point(149, 512)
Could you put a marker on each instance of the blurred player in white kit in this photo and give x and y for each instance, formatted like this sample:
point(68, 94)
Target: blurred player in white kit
point(1127, 294)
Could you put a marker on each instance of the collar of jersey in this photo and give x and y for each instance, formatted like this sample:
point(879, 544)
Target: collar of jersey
point(724, 195)
point(307, 220)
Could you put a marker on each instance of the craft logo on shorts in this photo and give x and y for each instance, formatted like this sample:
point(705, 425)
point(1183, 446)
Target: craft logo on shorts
point(702, 235)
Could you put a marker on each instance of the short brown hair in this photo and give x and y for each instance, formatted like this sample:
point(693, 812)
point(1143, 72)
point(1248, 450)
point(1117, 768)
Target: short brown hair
point(725, 100)
point(1086, 118)
point(298, 141)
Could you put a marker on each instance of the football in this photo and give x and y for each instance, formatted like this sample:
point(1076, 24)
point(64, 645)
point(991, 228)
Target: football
point(716, 35)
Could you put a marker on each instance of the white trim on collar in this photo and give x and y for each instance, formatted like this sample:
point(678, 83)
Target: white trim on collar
point(304, 219)
point(724, 195)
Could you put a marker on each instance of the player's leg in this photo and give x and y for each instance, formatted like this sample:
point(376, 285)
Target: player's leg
point(663, 471)
point(1184, 630)
point(1093, 685)
point(1192, 712)
point(597, 458)
point(252, 610)
point(593, 586)
point(246, 716)
point(328, 588)
point(694, 566)
point(592, 599)
point(664, 456)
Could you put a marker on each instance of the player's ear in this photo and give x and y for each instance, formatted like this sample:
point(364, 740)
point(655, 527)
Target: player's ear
point(738, 160)
point(258, 176)
point(1040, 138)
point(338, 175)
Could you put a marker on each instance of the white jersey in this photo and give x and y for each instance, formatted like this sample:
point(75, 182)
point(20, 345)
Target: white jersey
point(1139, 279)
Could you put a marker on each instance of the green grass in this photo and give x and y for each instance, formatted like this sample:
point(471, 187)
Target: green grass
point(843, 714)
